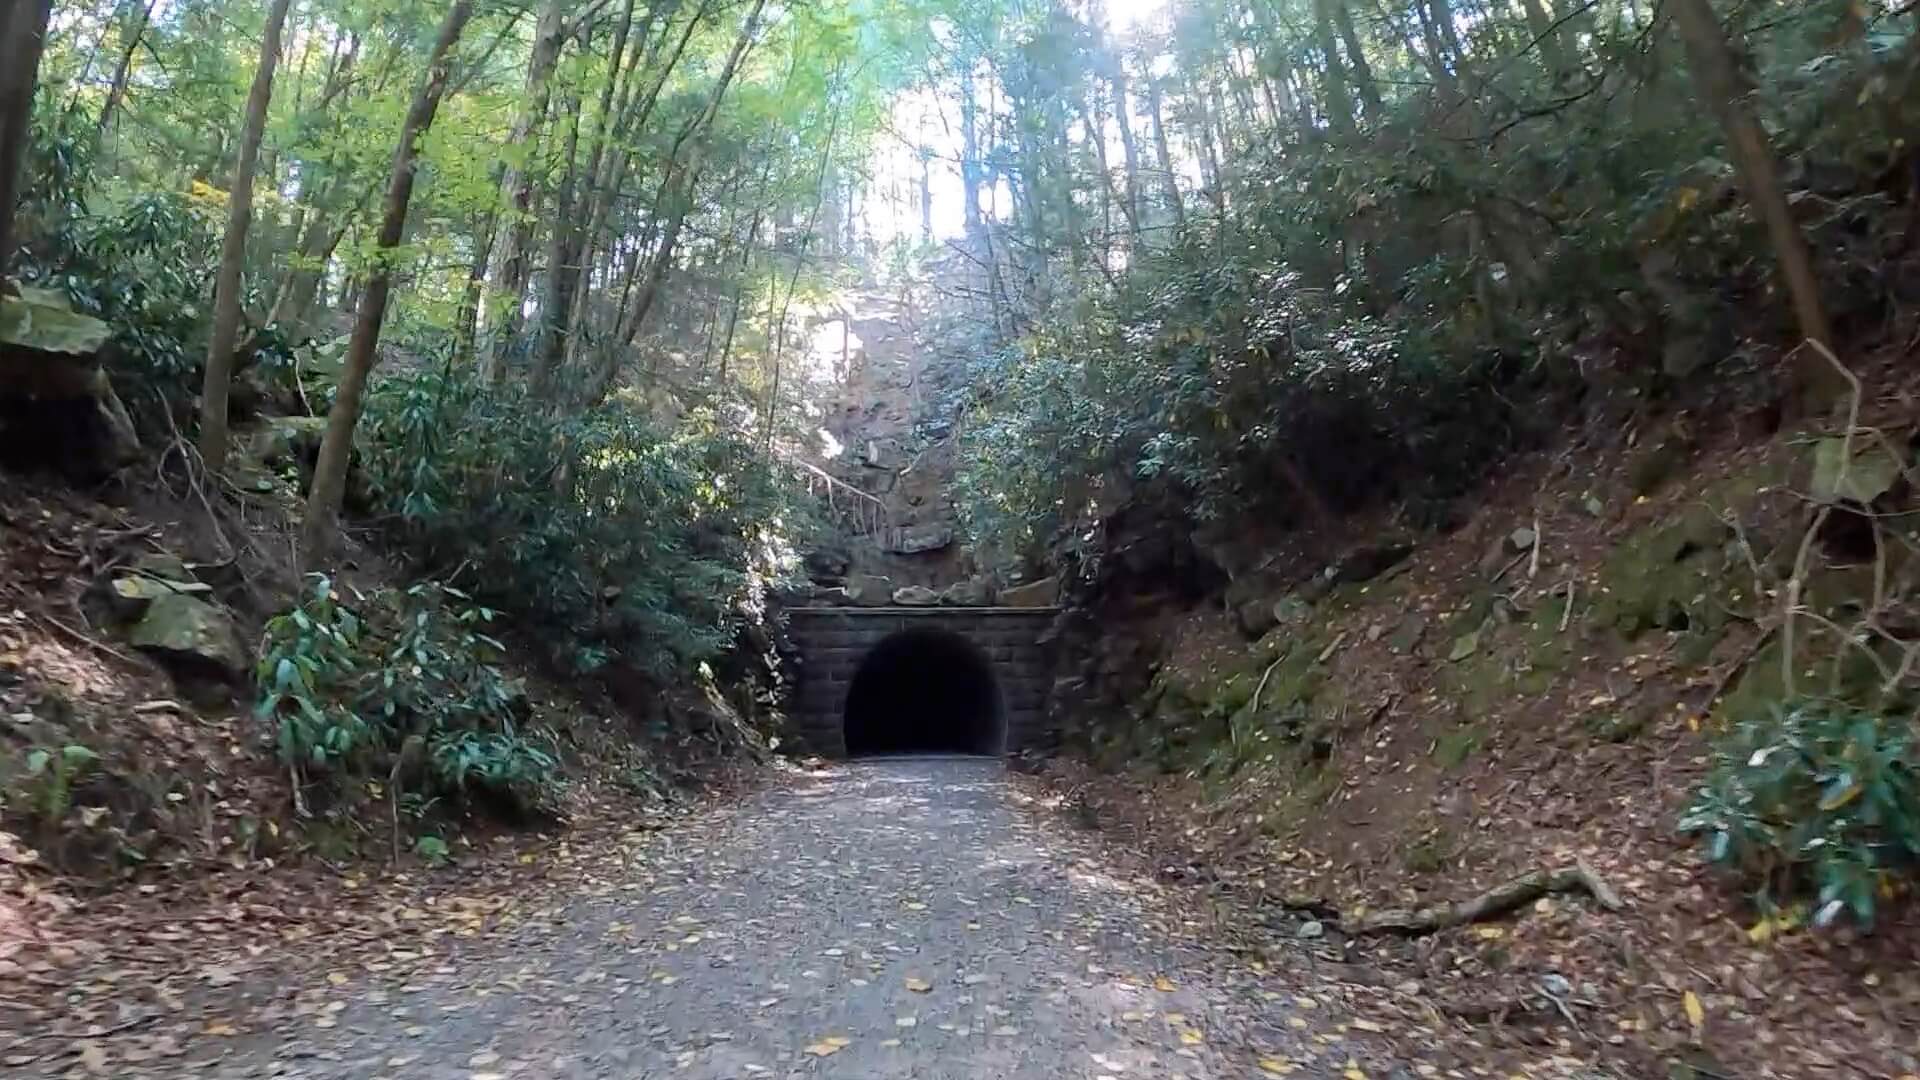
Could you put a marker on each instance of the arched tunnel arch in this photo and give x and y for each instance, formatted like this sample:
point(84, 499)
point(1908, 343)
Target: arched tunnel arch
point(924, 691)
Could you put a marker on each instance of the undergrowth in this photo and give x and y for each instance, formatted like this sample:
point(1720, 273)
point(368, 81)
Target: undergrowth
point(404, 685)
point(1813, 798)
point(607, 538)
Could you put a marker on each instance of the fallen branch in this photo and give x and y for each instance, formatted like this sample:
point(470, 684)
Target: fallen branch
point(1533, 563)
point(1254, 707)
point(1493, 903)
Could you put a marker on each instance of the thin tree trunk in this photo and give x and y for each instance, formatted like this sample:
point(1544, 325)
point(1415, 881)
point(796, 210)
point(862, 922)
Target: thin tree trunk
point(233, 249)
point(603, 128)
point(1357, 59)
point(1728, 92)
point(1164, 153)
point(1553, 47)
point(1122, 116)
point(563, 271)
point(677, 190)
point(969, 154)
point(793, 279)
point(318, 531)
point(466, 326)
point(632, 119)
point(118, 87)
point(1339, 101)
point(23, 35)
point(549, 37)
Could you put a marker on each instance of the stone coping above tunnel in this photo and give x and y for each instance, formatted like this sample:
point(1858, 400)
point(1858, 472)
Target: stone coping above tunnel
point(948, 610)
point(833, 643)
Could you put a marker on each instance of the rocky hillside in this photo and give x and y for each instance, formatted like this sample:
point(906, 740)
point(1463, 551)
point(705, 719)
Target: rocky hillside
point(888, 472)
point(1371, 738)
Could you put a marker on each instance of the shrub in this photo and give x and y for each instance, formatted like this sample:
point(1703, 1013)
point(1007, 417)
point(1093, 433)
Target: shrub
point(1814, 797)
point(354, 687)
point(607, 538)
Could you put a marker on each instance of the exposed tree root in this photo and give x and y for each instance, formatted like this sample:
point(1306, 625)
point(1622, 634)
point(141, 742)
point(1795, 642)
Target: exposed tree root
point(1493, 903)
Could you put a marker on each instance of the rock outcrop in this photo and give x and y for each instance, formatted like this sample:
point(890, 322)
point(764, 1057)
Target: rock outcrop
point(56, 403)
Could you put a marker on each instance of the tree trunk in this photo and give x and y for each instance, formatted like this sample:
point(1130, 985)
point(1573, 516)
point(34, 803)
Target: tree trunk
point(122, 71)
point(676, 197)
point(1728, 92)
point(23, 34)
point(1122, 116)
point(1553, 47)
point(1160, 149)
point(614, 168)
point(1339, 102)
point(516, 190)
point(563, 269)
point(612, 104)
point(318, 531)
point(233, 249)
point(793, 280)
point(969, 154)
point(1357, 59)
point(466, 326)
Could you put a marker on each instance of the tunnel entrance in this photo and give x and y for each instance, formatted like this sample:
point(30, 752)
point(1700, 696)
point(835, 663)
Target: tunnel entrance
point(924, 692)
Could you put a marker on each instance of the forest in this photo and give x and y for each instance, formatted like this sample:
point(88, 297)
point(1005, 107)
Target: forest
point(428, 414)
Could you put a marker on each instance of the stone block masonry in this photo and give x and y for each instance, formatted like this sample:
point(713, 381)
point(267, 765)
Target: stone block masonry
point(833, 642)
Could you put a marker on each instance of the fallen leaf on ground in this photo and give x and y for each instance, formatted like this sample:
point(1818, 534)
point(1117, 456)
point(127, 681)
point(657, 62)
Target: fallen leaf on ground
point(829, 1046)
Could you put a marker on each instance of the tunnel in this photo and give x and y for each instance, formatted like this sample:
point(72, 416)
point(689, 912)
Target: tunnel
point(924, 692)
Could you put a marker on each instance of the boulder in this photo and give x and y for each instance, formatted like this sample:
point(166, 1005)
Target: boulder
point(1290, 609)
point(828, 565)
point(1367, 562)
point(914, 540)
point(869, 590)
point(56, 402)
point(163, 565)
point(1857, 474)
point(1255, 617)
point(284, 441)
point(976, 591)
point(1034, 594)
point(190, 632)
point(131, 594)
point(915, 596)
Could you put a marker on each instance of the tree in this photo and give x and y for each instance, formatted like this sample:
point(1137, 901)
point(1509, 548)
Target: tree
point(143, 16)
point(675, 200)
point(318, 530)
point(233, 248)
point(23, 35)
point(1724, 86)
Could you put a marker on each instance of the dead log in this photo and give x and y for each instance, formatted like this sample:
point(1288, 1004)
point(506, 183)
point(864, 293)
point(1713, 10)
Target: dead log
point(1491, 904)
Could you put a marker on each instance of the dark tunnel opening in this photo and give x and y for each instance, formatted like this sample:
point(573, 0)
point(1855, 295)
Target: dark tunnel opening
point(924, 692)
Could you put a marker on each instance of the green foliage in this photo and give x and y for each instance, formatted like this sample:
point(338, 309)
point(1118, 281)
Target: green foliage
point(51, 774)
point(142, 268)
point(608, 538)
point(1813, 797)
point(351, 689)
point(433, 849)
point(308, 673)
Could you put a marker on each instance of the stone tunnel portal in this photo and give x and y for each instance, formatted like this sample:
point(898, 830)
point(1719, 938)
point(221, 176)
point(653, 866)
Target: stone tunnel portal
point(924, 691)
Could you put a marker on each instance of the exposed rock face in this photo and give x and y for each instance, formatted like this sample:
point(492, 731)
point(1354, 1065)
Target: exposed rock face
point(56, 402)
point(914, 540)
point(185, 630)
point(1042, 593)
